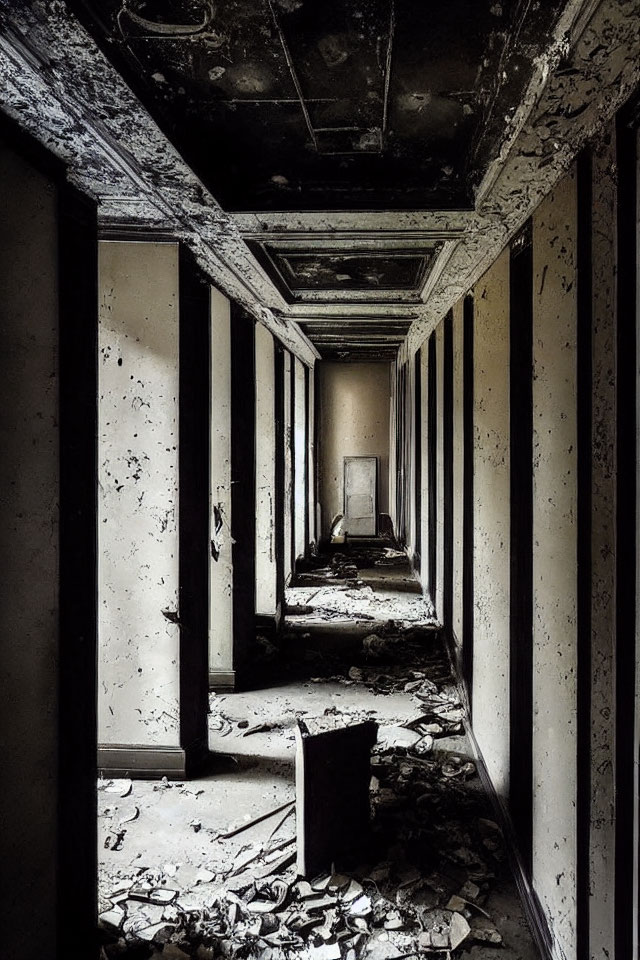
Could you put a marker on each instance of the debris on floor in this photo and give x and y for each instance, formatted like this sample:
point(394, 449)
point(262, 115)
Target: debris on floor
point(431, 879)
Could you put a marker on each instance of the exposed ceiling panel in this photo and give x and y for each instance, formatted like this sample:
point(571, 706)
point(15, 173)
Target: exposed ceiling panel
point(339, 104)
point(342, 339)
point(317, 271)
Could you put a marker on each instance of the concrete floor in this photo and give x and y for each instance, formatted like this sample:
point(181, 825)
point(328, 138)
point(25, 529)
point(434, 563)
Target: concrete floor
point(172, 832)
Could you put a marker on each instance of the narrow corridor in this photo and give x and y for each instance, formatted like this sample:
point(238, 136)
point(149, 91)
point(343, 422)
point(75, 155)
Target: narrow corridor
point(319, 420)
point(436, 876)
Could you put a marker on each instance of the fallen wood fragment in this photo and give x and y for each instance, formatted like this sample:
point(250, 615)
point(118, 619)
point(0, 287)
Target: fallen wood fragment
point(256, 820)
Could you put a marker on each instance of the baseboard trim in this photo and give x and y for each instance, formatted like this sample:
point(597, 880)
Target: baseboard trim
point(268, 624)
point(455, 655)
point(222, 680)
point(144, 762)
point(533, 911)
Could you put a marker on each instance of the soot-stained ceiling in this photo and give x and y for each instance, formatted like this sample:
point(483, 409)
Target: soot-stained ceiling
point(348, 338)
point(307, 273)
point(332, 105)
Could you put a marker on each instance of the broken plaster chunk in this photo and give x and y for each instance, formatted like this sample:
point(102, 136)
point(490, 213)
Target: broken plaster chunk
point(112, 918)
point(360, 907)
point(469, 891)
point(381, 949)
point(353, 891)
point(444, 930)
point(326, 951)
point(484, 931)
point(396, 737)
point(121, 787)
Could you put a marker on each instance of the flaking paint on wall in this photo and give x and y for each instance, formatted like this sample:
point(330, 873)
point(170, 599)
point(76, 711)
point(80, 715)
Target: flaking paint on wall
point(138, 675)
point(555, 560)
point(266, 584)
point(220, 569)
point(491, 521)
point(458, 465)
point(300, 442)
point(439, 597)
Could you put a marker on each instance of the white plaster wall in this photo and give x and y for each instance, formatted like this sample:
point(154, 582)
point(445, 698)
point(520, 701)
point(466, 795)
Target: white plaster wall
point(288, 467)
point(266, 579)
point(491, 558)
point(458, 467)
point(424, 510)
point(311, 505)
point(300, 445)
point(411, 464)
point(603, 540)
point(554, 561)
point(355, 423)
point(221, 571)
point(393, 452)
point(439, 597)
point(138, 670)
point(29, 546)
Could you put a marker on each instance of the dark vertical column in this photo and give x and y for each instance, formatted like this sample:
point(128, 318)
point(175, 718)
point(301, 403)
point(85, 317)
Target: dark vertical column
point(307, 439)
point(626, 531)
point(521, 539)
point(432, 414)
point(447, 451)
point(243, 482)
point(585, 470)
point(417, 436)
point(467, 498)
point(278, 359)
point(78, 303)
point(193, 517)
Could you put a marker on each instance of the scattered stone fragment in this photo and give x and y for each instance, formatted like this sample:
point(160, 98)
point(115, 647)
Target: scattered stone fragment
point(484, 931)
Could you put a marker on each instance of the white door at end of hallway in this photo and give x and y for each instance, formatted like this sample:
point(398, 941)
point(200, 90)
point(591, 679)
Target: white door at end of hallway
point(361, 496)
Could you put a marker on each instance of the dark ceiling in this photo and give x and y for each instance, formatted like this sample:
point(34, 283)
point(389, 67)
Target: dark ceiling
point(300, 273)
point(328, 104)
point(350, 339)
point(285, 107)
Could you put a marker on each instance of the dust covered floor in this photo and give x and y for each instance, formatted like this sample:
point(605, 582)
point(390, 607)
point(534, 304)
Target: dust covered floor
point(183, 874)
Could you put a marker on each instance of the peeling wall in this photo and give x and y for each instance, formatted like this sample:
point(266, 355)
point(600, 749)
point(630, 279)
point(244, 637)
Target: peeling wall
point(491, 521)
point(220, 569)
point(311, 478)
point(139, 666)
point(458, 466)
point(557, 406)
point(300, 445)
point(439, 597)
point(410, 506)
point(424, 471)
point(394, 452)
point(266, 578)
point(288, 468)
point(555, 559)
point(354, 422)
point(29, 533)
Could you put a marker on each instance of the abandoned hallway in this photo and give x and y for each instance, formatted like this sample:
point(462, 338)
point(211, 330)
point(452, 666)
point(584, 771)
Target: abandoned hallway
point(319, 413)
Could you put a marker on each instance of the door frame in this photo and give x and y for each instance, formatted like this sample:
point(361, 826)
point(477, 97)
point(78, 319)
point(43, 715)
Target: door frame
point(361, 536)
